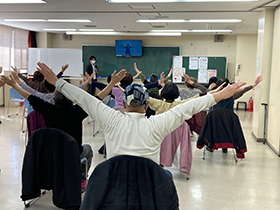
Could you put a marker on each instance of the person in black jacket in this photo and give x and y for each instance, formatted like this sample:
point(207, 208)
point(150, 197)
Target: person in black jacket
point(91, 68)
point(64, 115)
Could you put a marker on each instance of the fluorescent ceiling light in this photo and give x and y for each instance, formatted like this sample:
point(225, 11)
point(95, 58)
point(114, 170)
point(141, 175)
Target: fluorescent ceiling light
point(22, 2)
point(58, 29)
point(68, 20)
point(96, 30)
point(162, 21)
point(189, 21)
point(124, 33)
point(190, 31)
point(214, 20)
point(25, 20)
point(166, 1)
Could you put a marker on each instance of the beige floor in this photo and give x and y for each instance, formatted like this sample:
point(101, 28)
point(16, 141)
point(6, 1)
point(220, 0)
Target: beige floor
point(215, 183)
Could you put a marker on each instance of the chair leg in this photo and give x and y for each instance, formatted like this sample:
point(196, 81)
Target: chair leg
point(8, 108)
point(204, 151)
point(22, 123)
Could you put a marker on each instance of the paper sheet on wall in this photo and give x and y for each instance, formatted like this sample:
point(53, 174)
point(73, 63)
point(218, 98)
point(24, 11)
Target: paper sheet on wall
point(211, 73)
point(178, 74)
point(203, 63)
point(177, 62)
point(202, 76)
point(193, 63)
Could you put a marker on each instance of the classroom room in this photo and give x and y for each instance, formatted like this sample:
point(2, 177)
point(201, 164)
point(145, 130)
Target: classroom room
point(74, 134)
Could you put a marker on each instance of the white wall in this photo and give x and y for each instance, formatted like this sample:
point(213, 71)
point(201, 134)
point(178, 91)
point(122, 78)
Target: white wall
point(263, 67)
point(190, 45)
point(273, 131)
point(246, 52)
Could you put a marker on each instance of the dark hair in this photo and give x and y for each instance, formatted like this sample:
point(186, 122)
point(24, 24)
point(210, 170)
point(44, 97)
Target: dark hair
point(61, 101)
point(127, 80)
point(49, 86)
point(38, 76)
point(170, 91)
point(92, 57)
point(221, 81)
point(212, 80)
point(109, 78)
point(153, 78)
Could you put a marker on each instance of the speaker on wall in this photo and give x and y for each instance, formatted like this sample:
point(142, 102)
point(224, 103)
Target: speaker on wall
point(66, 37)
point(218, 38)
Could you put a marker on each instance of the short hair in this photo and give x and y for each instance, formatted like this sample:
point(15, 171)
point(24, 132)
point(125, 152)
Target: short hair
point(170, 91)
point(109, 78)
point(153, 78)
point(126, 81)
point(212, 80)
point(61, 101)
point(49, 86)
point(221, 81)
point(92, 57)
point(38, 76)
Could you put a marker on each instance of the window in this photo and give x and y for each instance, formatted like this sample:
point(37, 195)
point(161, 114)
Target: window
point(13, 47)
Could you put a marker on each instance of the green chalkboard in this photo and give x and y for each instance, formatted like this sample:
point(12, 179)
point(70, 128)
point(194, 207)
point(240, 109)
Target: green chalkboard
point(153, 60)
point(214, 63)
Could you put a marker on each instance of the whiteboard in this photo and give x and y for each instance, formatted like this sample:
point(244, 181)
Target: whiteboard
point(55, 58)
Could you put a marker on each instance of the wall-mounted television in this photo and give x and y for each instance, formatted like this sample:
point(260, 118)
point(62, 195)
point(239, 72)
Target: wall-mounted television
point(128, 48)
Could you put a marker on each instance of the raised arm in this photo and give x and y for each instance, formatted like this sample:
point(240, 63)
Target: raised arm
point(63, 69)
point(2, 83)
point(142, 76)
point(173, 118)
point(115, 78)
point(94, 107)
point(195, 85)
point(9, 80)
point(168, 76)
point(246, 89)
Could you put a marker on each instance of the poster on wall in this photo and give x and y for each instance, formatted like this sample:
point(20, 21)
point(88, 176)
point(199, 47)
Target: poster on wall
point(193, 63)
point(178, 74)
point(212, 73)
point(202, 76)
point(177, 62)
point(203, 63)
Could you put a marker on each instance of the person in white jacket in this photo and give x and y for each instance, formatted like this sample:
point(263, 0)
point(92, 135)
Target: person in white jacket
point(132, 133)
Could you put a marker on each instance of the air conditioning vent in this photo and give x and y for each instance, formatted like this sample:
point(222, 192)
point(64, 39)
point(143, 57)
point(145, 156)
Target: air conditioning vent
point(218, 38)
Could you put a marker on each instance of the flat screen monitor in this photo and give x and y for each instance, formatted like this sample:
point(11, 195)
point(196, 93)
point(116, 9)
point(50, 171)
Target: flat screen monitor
point(128, 48)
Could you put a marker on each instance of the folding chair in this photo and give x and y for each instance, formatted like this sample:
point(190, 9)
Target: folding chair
point(27, 108)
point(15, 97)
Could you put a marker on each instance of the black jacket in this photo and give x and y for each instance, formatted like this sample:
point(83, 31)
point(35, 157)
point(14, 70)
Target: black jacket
point(222, 129)
point(68, 120)
point(129, 182)
point(52, 161)
point(89, 69)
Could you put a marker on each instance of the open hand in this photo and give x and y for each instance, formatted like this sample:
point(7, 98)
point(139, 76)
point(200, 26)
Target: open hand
point(187, 78)
point(161, 81)
point(15, 76)
point(64, 67)
point(212, 85)
point(230, 90)
point(9, 80)
point(47, 72)
point(115, 78)
point(257, 81)
point(1, 69)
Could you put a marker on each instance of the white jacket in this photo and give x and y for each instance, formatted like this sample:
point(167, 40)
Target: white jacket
point(133, 133)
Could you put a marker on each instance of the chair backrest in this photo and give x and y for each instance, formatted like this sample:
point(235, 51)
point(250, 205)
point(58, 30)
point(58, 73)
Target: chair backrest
point(27, 106)
point(111, 103)
point(129, 182)
point(52, 161)
point(14, 94)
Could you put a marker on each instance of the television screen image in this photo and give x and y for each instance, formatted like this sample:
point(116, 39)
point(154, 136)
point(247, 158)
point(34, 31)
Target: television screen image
point(128, 48)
